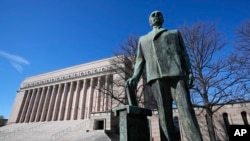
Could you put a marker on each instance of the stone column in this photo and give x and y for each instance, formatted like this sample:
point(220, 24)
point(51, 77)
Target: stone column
point(90, 100)
point(63, 101)
point(41, 103)
point(94, 96)
point(69, 101)
point(34, 110)
point(22, 107)
point(98, 95)
point(82, 103)
point(133, 123)
point(75, 101)
point(27, 101)
point(52, 103)
point(106, 97)
point(33, 95)
point(57, 102)
point(46, 103)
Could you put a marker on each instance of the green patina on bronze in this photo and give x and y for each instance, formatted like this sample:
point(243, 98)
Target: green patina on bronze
point(163, 54)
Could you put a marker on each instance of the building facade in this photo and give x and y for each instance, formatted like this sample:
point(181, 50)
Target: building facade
point(69, 94)
point(88, 91)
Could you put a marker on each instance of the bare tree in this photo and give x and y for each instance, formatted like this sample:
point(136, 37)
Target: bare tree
point(126, 55)
point(123, 65)
point(243, 39)
point(242, 51)
point(216, 75)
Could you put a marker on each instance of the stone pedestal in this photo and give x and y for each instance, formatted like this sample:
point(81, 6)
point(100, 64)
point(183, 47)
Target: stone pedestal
point(133, 123)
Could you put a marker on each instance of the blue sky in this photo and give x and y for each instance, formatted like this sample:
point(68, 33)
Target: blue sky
point(39, 36)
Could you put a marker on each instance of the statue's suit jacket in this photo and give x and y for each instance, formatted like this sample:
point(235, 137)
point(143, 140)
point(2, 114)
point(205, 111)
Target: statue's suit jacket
point(164, 55)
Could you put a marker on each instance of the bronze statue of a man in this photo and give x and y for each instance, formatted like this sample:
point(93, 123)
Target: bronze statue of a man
point(169, 74)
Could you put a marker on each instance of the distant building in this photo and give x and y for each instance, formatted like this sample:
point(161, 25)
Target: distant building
point(83, 93)
point(229, 114)
point(67, 94)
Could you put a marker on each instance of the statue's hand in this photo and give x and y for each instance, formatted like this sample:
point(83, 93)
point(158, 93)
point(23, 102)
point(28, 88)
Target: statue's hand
point(131, 85)
point(191, 80)
point(132, 81)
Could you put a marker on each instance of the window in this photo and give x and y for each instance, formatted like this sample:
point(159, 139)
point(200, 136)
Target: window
point(226, 121)
point(244, 117)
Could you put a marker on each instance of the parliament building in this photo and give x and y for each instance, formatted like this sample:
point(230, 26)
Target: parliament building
point(76, 103)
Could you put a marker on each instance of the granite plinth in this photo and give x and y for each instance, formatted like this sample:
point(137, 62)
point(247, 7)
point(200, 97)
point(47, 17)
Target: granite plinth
point(133, 123)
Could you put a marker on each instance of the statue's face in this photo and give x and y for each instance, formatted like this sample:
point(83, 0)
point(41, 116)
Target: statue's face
point(156, 18)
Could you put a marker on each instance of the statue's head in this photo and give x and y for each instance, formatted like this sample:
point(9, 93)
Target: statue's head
point(156, 18)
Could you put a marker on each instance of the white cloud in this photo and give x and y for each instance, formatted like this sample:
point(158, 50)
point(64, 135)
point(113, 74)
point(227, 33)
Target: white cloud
point(14, 58)
point(16, 61)
point(18, 67)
